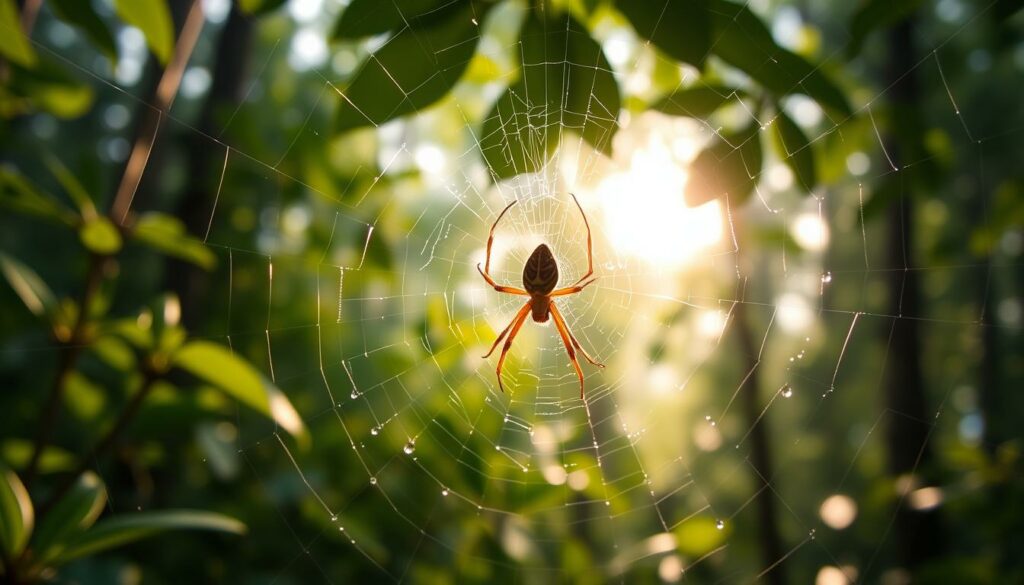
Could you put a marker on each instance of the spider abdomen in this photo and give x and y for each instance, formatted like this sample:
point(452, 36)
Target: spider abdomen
point(540, 275)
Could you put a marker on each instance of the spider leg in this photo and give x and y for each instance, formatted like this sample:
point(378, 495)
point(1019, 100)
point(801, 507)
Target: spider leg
point(516, 325)
point(567, 342)
point(523, 311)
point(590, 244)
point(559, 319)
point(501, 288)
point(569, 290)
point(486, 270)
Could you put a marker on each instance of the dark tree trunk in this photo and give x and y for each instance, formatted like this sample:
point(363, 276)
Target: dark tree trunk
point(770, 542)
point(918, 532)
point(205, 159)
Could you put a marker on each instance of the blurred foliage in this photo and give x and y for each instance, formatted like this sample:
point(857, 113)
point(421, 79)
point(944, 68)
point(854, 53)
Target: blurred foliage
point(140, 347)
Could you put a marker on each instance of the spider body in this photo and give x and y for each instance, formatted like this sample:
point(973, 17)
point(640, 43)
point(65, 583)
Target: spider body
point(540, 277)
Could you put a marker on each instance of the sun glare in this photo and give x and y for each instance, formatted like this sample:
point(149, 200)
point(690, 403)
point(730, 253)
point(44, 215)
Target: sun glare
point(644, 212)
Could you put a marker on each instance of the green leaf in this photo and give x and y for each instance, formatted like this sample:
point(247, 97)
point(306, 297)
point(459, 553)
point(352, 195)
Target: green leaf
point(697, 101)
point(872, 15)
point(75, 512)
point(154, 20)
point(729, 167)
point(13, 44)
point(680, 28)
point(167, 234)
point(565, 84)
point(80, 14)
point(16, 513)
point(30, 288)
point(744, 42)
point(17, 453)
point(72, 185)
point(21, 195)
point(129, 528)
point(100, 236)
point(415, 69)
point(47, 87)
point(699, 535)
point(216, 365)
point(259, 7)
point(796, 151)
point(363, 18)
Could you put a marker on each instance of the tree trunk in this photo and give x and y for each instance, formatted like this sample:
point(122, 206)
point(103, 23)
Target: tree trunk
point(918, 532)
point(205, 158)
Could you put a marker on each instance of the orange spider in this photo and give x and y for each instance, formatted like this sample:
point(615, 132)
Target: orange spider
point(540, 275)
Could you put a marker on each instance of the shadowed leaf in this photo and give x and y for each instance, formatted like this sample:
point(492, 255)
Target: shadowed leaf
point(132, 527)
point(681, 29)
point(697, 102)
point(80, 14)
point(796, 151)
point(727, 168)
point(416, 68)
point(745, 42)
point(72, 514)
point(363, 18)
point(565, 84)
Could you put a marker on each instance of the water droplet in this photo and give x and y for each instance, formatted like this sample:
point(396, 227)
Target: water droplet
point(354, 395)
point(787, 391)
point(374, 431)
point(720, 524)
point(409, 448)
point(334, 517)
point(826, 278)
point(607, 503)
point(444, 492)
point(373, 481)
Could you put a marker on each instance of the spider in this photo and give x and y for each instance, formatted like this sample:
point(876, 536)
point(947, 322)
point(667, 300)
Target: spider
point(540, 275)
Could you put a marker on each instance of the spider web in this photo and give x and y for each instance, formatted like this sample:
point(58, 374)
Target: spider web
point(420, 462)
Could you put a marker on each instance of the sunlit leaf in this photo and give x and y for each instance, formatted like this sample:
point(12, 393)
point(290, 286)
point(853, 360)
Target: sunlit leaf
point(216, 365)
point(80, 14)
point(565, 84)
point(699, 535)
point(743, 41)
point(167, 234)
point(153, 18)
point(698, 101)
point(363, 18)
point(73, 513)
point(16, 513)
point(13, 44)
point(873, 15)
point(128, 528)
point(796, 151)
point(681, 29)
point(100, 236)
point(30, 288)
point(19, 194)
point(727, 168)
point(259, 7)
point(415, 69)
